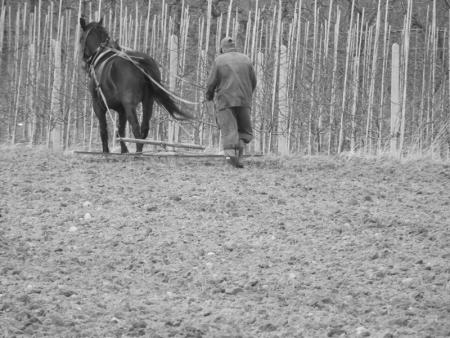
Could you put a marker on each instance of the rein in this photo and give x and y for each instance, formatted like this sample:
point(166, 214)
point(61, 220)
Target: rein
point(95, 60)
point(99, 89)
point(125, 56)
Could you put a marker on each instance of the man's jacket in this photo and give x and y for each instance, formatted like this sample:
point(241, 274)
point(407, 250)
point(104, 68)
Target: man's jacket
point(232, 80)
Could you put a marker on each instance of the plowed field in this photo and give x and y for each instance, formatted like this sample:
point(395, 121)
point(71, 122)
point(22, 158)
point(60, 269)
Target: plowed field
point(298, 247)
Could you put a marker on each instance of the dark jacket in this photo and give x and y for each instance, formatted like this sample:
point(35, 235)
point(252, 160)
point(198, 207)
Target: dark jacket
point(233, 80)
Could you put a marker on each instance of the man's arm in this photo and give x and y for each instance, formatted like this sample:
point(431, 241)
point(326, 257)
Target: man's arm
point(211, 84)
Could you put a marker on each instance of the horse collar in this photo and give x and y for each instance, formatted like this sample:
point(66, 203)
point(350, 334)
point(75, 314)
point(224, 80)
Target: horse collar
point(100, 62)
point(98, 53)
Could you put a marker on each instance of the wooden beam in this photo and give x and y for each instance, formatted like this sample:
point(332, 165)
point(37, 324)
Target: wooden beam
point(160, 154)
point(162, 143)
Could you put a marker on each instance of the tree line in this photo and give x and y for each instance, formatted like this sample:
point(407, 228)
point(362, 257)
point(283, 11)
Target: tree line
point(325, 72)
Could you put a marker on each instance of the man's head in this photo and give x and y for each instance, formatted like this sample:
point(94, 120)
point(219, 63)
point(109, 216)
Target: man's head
point(227, 45)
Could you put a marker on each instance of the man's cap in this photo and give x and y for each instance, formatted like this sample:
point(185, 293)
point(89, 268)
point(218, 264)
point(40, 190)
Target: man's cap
point(227, 44)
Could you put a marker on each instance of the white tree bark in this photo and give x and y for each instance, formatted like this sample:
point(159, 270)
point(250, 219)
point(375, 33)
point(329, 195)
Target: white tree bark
point(174, 127)
point(395, 98)
point(283, 106)
point(54, 132)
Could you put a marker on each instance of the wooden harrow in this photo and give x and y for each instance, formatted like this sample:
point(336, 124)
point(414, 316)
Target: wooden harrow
point(160, 154)
point(162, 143)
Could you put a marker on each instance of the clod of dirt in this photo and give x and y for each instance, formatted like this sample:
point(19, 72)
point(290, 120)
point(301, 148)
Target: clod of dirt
point(152, 208)
point(230, 246)
point(58, 320)
point(281, 202)
point(368, 198)
point(140, 324)
point(67, 293)
point(193, 332)
point(375, 256)
point(252, 283)
point(233, 291)
point(399, 322)
point(353, 201)
point(137, 328)
point(362, 332)
point(336, 332)
point(171, 294)
point(408, 282)
point(173, 323)
point(269, 327)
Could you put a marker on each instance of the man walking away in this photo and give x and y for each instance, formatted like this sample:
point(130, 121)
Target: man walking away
point(232, 82)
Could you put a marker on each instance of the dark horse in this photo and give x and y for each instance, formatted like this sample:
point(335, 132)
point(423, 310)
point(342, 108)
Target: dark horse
point(120, 81)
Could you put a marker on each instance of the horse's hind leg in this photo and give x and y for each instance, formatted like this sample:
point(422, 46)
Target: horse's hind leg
point(147, 111)
point(133, 120)
point(121, 129)
point(101, 115)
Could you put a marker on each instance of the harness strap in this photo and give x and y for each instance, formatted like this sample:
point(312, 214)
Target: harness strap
point(127, 57)
point(99, 90)
point(95, 58)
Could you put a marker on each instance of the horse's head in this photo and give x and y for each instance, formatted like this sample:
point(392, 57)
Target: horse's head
point(94, 38)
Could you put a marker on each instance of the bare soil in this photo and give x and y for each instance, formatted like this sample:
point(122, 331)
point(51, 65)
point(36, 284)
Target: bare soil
point(298, 247)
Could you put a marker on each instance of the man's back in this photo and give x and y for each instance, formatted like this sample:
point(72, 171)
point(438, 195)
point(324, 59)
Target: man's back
point(234, 80)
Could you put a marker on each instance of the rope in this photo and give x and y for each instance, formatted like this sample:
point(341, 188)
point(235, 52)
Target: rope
point(195, 84)
point(127, 57)
point(99, 89)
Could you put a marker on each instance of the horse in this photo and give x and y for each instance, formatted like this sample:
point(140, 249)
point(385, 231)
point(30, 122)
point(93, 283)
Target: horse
point(120, 80)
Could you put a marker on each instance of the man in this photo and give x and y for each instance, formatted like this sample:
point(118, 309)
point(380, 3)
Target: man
point(232, 81)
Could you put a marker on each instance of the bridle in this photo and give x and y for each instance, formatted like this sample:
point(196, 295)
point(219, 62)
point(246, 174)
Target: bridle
point(91, 59)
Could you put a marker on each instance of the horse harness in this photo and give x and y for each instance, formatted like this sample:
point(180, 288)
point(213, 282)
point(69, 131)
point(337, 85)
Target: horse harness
point(100, 61)
point(103, 54)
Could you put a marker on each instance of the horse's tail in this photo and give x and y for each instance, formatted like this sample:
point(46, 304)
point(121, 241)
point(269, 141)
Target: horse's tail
point(162, 95)
point(168, 103)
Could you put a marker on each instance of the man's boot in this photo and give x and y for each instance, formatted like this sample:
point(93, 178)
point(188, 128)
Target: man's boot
point(241, 148)
point(232, 157)
point(240, 152)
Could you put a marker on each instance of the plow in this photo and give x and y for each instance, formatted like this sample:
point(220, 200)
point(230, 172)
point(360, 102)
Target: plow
point(167, 149)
